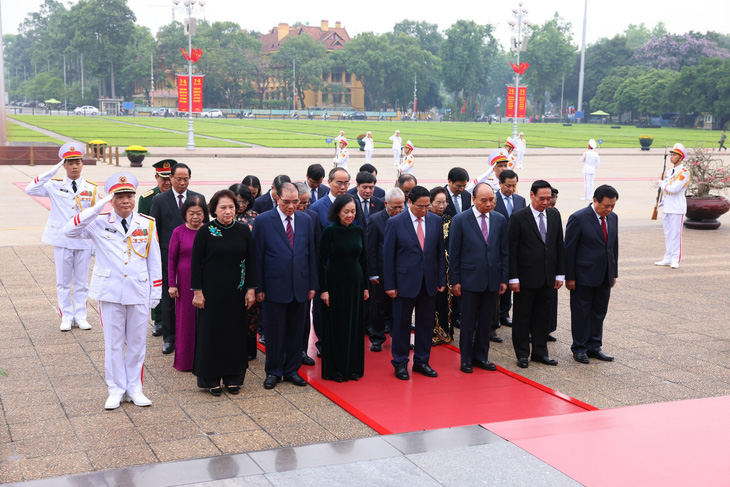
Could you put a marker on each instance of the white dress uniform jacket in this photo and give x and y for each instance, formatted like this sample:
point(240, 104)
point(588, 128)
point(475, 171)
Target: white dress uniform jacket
point(590, 161)
point(407, 164)
point(64, 205)
point(674, 187)
point(342, 158)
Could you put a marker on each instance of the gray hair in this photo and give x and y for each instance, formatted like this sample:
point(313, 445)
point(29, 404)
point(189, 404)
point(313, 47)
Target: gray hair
point(394, 193)
point(301, 187)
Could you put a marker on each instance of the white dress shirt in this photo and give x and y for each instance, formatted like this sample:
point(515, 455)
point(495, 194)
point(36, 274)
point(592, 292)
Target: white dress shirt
point(414, 219)
point(283, 219)
point(479, 218)
point(456, 199)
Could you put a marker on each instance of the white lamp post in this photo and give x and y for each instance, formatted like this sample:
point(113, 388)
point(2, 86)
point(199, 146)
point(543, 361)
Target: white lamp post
point(189, 31)
point(521, 25)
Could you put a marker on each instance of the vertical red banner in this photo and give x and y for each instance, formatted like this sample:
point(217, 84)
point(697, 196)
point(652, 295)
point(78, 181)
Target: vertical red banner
point(522, 102)
point(197, 94)
point(509, 108)
point(183, 102)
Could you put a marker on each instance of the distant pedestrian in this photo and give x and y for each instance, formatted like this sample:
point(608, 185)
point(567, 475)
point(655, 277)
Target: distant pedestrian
point(590, 162)
point(723, 137)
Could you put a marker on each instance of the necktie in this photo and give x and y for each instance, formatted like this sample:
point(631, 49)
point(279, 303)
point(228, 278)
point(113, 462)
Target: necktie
point(366, 209)
point(179, 200)
point(605, 229)
point(457, 203)
point(73, 185)
point(124, 225)
point(541, 227)
point(508, 205)
point(289, 232)
point(485, 229)
point(420, 235)
point(314, 196)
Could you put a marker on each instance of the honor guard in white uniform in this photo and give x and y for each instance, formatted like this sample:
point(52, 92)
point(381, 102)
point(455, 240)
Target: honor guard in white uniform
point(369, 147)
point(590, 162)
point(69, 196)
point(498, 162)
point(674, 206)
point(520, 149)
point(339, 137)
point(397, 147)
point(509, 147)
point(342, 156)
point(408, 163)
point(126, 281)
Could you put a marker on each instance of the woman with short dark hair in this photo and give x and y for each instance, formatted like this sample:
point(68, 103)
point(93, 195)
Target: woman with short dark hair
point(223, 280)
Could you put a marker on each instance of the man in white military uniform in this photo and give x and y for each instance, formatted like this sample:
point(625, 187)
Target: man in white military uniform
point(369, 147)
point(126, 281)
point(408, 163)
point(520, 149)
point(342, 157)
point(674, 206)
point(69, 196)
point(509, 147)
point(397, 147)
point(590, 162)
point(498, 162)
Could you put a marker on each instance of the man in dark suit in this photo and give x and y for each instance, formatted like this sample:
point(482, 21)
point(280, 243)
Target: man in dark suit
point(478, 272)
point(166, 212)
point(458, 198)
point(315, 188)
point(507, 202)
point(414, 268)
point(536, 267)
point(406, 182)
point(268, 201)
point(591, 270)
point(365, 202)
point(380, 303)
point(339, 180)
point(287, 269)
point(377, 192)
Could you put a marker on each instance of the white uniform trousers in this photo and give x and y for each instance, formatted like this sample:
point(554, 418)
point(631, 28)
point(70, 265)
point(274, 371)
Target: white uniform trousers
point(520, 155)
point(72, 267)
point(672, 223)
point(396, 156)
point(368, 156)
point(588, 186)
point(124, 324)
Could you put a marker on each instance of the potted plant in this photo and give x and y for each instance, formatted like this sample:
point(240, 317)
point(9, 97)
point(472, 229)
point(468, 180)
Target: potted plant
point(136, 154)
point(361, 142)
point(645, 141)
point(708, 175)
point(97, 148)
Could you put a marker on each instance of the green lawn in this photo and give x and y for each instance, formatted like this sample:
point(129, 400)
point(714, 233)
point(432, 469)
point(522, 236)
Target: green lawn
point(312, 133)
point(16, 133)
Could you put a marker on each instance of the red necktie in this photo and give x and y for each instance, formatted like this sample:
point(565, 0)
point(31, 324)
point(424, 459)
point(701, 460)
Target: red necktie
point(605, 229)
point(420, 235)
point(289, 232)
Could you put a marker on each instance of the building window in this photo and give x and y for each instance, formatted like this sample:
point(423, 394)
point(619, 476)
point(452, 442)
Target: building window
point(348, 78)
point(325, 97)
point(337, 77)
point(325, 76)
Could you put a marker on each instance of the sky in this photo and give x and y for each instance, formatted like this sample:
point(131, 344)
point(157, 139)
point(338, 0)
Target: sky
point(605, 17)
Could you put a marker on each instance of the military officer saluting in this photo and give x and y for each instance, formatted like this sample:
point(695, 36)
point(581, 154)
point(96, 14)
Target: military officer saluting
point(498, 162)
point(162, 176)
point(674, 206)
point(509, 146)
point(342, 156)
point(126, 281)
point(69, 195)
point(408, 163)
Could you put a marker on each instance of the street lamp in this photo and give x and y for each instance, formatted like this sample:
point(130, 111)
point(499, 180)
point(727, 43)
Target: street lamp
point(189, 31)
point(519, 24)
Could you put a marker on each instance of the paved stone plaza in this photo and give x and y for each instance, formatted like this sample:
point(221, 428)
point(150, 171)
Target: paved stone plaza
point(667, 328)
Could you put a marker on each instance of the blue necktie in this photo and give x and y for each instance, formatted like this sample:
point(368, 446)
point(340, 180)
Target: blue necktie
point(508, 204)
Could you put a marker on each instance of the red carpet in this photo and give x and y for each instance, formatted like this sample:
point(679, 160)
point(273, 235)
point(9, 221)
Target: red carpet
point(389, 405)
point(673, 443)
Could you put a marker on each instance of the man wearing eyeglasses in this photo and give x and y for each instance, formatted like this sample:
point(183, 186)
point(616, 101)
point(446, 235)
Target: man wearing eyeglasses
point(458, 198)
point(166, 210)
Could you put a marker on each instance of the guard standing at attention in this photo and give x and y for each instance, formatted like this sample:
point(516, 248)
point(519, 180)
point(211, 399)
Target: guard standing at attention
point(126, 281)
point(674, 206)
point(409, 162)
point(342, 155)
point(590, 162)
point(69, 196)
point(162, 176)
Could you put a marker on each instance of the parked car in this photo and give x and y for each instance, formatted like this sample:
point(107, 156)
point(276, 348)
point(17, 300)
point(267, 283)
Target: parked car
point(162, 112)
point(69, 106)
point(86, 110)
point(359, 116)
point(213, 114)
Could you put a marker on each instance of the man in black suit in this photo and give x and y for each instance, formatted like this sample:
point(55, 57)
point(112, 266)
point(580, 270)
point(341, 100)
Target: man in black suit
point(458, 198)
point(268, 201)
point(366, 203)
point(378, 192)
point(166, 212)
point(537, 266)
point(406, 183)
point(315, 188)
point(380, 304)
point(591, 270)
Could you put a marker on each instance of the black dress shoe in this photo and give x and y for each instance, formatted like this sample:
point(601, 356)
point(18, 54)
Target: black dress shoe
point(262, 340)
point(457, 324)
point(306, 359)
point(484, 364)
point(466, 368)
point(505, 321)
point(522, 363)
point(168, 348)
point(402, 373)
point(233, 389)
point(270, 381)
point(551, 338)
point(581, 357)
point(376, 347)
point(425, 369)
point(355, 377)
point(157, 330)
point(496, 339)
point(544, 360)
point(600, 355)
point(296, 380)
point(319, 354)
point(216, 391)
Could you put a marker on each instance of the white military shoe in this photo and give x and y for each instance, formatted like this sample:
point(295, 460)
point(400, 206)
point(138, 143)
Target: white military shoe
point(138, 399)
point(663, 262)
point(674, 265)
point(82, 324)
point(66, 324)
point(113, 401)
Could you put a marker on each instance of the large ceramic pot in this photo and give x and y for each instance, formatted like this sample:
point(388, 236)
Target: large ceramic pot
point(135, 160)
point(645, 143)
point(702, 213)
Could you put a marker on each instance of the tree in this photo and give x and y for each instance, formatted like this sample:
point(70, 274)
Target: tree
point(550, 54)
point(368, 56)
point(646, 93)
point(605, 98)
point(638, 35)
point(427, 34)
point(311, 59)
point(676, 51)
point(703, 88)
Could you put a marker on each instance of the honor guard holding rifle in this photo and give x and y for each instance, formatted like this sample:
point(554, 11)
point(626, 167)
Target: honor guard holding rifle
point(126, 281)
point(342, 156)
point(674, 206)
point(69, 196)
point(408, 162)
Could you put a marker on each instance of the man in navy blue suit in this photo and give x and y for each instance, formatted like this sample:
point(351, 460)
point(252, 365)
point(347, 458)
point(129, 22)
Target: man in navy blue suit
point(315, 188)
point(286, 263)
point(458, 198)
point(414, 268)
point(339, 180)
point(268, 201)
point(478, 272)
point(591, 270)
point(377, 192)
point(366, 202)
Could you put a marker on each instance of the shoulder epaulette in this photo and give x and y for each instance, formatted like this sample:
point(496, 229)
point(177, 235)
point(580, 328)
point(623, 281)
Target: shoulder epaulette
point(148, 193)
point(146, 216)
point(56, 179)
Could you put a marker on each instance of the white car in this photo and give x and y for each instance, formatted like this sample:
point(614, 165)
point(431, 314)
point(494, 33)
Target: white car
point(213, 114)
point(86, 110)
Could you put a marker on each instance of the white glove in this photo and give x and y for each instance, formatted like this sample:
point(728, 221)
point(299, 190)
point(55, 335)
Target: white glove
point(99, 206)
point(154, 303)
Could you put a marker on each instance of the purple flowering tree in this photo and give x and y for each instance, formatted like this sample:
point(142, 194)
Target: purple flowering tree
point(676, 51)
